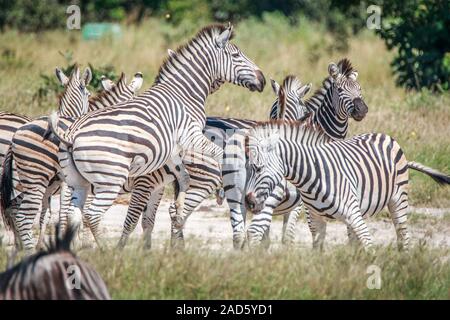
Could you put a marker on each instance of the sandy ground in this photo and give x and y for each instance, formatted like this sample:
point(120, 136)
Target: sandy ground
point(210, 224)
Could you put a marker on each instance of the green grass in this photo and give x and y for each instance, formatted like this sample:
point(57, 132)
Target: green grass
point(199, 273)
point(419, 121)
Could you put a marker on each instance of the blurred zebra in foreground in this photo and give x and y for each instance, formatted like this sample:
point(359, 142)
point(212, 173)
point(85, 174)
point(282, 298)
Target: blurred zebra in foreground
point(53, 274)
point(347, 180)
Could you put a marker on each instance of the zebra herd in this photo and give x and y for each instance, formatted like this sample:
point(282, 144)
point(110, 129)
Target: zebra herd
point(95, 148)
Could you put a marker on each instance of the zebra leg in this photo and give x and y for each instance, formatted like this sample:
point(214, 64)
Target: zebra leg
point(398, 207)
point(182, 179)
point(46, 208)
point(29, 207)
point(142, 194)
point(64, 205)
point(104, 198)
point(43, 221)
point(86, 239)
point(289, 225)
point(259, 228)
point(352, 238)
point(357, 224)
point(148, 218)
point(318, 228)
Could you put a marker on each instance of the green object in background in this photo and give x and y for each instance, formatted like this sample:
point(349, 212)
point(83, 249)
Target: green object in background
point(94, 31)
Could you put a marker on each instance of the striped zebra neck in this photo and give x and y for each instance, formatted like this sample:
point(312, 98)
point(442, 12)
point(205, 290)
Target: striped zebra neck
point(191, 71)
point(324, 105)
point(119, 93)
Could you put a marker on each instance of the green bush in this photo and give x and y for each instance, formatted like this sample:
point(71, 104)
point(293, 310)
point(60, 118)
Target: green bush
point(32, 16)
point(419, 31)
point(51, 85)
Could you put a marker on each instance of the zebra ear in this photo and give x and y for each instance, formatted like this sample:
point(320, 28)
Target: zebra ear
point(107, 84)
point(171, 53)
point(303, 91)
point(87, 76)
point(333, 70)
point(353, 75)
point(223, 38)
point(275, 86)
point(137, 81)
point(63, 79)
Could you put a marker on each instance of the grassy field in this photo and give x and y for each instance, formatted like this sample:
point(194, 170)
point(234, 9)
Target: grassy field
point(341, 273)
point(419, 121)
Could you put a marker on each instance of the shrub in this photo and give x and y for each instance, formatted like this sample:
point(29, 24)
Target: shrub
point(51, 85)
point(419, 31)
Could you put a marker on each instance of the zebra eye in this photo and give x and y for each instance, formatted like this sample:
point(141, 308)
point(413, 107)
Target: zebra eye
point(235, 55)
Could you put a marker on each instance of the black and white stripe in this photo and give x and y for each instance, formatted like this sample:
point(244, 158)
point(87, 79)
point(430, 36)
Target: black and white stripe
point(347, 180)
point(108, 147)
point(34, 154)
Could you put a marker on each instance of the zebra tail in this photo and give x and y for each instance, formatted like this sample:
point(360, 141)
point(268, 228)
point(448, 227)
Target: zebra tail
point(57, 131)
point(6, 188)
point(437, 176)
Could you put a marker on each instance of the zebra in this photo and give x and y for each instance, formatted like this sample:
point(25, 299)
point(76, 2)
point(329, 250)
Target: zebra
point(347, 180)
point(204, 176)
point(47, 275)
point(135, 138)
point(38, 175)
point(329, 108)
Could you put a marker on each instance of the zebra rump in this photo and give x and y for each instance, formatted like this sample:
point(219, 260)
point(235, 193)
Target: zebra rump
point(47, 275)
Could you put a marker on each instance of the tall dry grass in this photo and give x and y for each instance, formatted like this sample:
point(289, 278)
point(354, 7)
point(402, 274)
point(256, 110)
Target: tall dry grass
point(419, 121)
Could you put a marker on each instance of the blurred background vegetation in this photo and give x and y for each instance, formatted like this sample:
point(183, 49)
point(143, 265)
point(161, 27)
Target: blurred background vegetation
point(404, 67)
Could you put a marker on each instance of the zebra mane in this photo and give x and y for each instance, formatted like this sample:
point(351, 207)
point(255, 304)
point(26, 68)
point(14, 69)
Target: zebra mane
point(121, 83)
point(288, 128)
point(208, 32)
point(345, 67)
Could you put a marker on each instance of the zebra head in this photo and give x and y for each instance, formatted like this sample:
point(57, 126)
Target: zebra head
point(289, 104)
point(264, 167)
point(74, 100)
point(348, 90)
point(233, 66)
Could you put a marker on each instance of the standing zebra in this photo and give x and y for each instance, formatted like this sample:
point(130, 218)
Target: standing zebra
point(204, 174)
point(38, 175)
point(346, 180)
point(107, 147)
point(330, 108)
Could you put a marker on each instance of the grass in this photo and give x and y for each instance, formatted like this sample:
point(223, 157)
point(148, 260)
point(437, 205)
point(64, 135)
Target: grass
point(418, 120)
point(341, 273)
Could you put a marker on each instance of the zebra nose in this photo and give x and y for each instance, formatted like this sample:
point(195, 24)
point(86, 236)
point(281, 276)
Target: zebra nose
point(261, 80)
point(250, 200)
